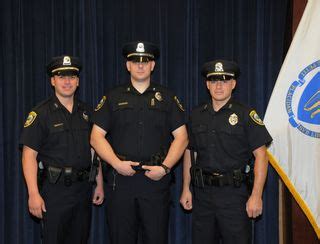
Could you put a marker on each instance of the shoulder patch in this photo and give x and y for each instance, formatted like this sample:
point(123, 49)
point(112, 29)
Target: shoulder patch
point(178, 103)
point(255, 117)
point(100, 104)
point(31, 117)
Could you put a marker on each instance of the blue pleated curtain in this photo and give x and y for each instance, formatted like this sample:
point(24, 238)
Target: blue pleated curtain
point(189, 33)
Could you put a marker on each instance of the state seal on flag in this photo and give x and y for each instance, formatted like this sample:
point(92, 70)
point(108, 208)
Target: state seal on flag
point(303, 101)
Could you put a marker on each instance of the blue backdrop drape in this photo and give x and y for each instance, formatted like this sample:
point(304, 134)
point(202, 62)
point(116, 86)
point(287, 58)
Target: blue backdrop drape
point(189, 33)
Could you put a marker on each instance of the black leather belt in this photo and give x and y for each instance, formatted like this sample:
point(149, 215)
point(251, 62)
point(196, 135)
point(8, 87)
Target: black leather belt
point(216, 179)
point(201, 177)
point(67, 174)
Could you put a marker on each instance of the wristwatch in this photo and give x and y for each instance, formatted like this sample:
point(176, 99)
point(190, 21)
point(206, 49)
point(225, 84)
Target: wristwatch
point(166, 168)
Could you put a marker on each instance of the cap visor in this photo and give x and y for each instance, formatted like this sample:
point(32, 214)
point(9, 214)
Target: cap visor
point(66, 72)
point(220, 77)
point(139, 59)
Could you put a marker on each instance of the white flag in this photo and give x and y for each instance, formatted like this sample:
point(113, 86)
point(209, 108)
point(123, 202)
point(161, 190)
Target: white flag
point(293, 116)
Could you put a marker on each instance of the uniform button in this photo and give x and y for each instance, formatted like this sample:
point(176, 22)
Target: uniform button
point(213, 131)
point(212, 145)
point(140, 123)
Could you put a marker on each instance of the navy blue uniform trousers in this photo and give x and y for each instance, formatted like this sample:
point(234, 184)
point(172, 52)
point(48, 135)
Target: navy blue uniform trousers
point(68, 215)
point(220, 212)
point(137, 213)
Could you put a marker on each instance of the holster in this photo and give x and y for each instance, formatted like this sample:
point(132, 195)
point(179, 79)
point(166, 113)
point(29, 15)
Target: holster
point(94, 169)
point(238, 177)
point(249, 177)
point(53, 174)
point(197, 176)
point(40, 175)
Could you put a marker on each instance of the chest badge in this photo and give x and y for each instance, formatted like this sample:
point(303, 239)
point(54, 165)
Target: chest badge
point(85, 116)
point(233, 119)
point(31, 117)
point(100, 104)
point(158, 96)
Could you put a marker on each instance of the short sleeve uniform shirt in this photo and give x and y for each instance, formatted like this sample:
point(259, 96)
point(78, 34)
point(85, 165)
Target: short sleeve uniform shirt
point(139, 125)
point(61, 138)
point(224, 140)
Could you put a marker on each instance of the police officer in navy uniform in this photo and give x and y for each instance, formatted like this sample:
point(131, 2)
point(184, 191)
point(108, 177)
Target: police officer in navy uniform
point(139, 131)
point(224, 136)
point(56, 136)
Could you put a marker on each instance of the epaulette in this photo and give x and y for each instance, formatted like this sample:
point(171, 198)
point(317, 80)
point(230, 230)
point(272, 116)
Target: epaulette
point(42, 103)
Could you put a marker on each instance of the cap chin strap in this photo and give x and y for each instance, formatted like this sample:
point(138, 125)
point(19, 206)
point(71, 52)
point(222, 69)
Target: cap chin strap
point(64, 68)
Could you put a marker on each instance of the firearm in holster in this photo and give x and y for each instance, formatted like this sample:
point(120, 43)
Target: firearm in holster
point(94, 168)
point(196, 172)
point(196, 176)
point(40, 175)
point(249, 176)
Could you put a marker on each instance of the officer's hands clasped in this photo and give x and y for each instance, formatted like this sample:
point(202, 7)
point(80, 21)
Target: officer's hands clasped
point(125, 167)
point(154, 172)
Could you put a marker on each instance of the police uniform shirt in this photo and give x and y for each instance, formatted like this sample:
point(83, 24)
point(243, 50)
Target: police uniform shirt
point(61, 138)
point(139, 125)
point(225, 140)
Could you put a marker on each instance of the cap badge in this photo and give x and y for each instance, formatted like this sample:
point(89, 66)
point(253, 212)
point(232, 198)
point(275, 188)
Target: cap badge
point(233, 119)
point(218, 67)
point(140, 47)
point(158, 96)
point(100, 104)
point(31, 117)
point(66, 60)
point(85, 116)
point(255, 117)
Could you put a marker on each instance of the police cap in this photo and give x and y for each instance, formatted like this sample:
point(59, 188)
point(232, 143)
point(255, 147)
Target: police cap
point(140, 51)
point(220, 70)
point(64, 65)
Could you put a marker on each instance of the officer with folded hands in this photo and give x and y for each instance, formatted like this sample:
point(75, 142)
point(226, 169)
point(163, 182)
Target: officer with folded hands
point(139, 131)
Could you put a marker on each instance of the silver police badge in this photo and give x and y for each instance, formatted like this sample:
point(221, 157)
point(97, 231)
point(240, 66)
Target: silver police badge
point(218, 67)
point(158, 96)
point(140, 47)
point(233, 119)
point(66, 60)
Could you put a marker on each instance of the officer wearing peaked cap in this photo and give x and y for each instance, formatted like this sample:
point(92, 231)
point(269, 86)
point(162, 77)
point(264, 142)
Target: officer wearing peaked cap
point(224, 136)
point(64, 66)
point(56, 134)
point(133, 129)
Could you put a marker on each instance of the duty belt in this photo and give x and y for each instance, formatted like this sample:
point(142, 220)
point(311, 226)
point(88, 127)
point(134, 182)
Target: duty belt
point(156, 160)
point(201, 178)
point(67, 174)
